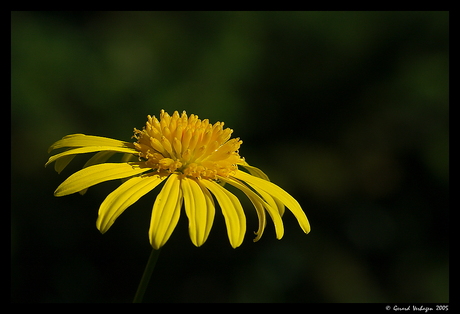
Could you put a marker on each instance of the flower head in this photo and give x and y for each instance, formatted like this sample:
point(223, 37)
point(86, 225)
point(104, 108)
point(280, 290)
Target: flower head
point(194, 158)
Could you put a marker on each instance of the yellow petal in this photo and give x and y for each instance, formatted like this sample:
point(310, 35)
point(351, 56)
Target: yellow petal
point(99, 158)
point(96, 174)
point(263, 185)
point(61, 163)
point(211, 209)
point(124, 196)
point(259, 173)
point(80, 140)
point(90, 149)
point(166, 212)
point(129, 157)
point(258, 204)
point(265, 202)
point(199, 208)
point(255, 171)
point(232, 211)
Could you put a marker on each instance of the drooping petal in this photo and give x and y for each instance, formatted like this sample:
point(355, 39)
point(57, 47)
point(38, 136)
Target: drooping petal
point(255, 171)
point(81, 140)
point(129, 157)
point(62, 162)
point(124, 196)
point(259, 173)
point(99, 158)
point(166, 212)
point(211, 208)
point(90, 149)
point(275, 209)
point(232, 211)
point(96, 174)
point(258, 204)
point(264, 202)
point(199, 208)
point(263, 185)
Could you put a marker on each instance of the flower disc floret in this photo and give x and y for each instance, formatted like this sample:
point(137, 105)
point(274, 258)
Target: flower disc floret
point(188, 146)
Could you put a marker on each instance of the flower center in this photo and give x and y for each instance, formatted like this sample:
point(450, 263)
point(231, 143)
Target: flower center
point(188, 145)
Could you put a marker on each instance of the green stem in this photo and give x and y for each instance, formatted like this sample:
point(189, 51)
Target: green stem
point(146, 276)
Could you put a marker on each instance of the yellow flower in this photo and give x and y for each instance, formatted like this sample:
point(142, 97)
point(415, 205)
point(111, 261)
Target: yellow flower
point(195, 159)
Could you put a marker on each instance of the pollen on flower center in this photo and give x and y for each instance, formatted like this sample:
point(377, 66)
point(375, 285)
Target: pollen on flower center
point(187, 145)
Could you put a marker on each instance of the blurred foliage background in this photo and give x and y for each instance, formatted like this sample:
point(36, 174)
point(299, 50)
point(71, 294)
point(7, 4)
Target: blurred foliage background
point(348, 111)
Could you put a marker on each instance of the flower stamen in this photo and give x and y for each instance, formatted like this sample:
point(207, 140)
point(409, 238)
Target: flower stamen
point(188, 145)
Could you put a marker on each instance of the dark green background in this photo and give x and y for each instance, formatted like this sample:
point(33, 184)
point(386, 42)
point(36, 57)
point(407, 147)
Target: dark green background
point(348, 111)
